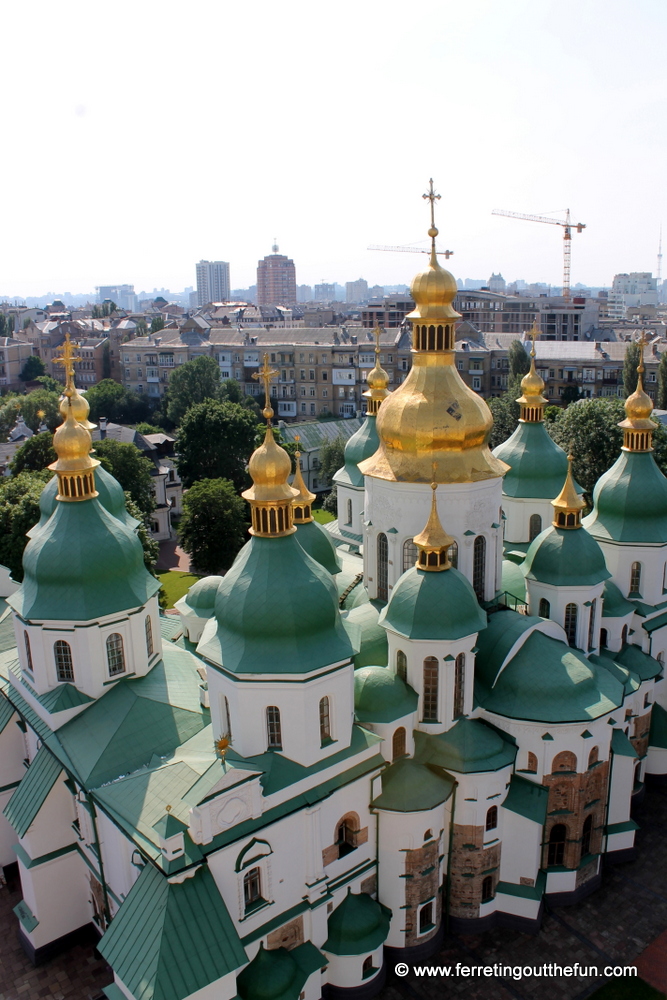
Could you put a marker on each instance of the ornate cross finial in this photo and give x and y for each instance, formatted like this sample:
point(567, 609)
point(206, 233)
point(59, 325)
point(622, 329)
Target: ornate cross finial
point(267, 375)
point(297, 441)
point(377, 331)
point(67, 359)
point(534, 331)
point(642, 345)
point(432, 197)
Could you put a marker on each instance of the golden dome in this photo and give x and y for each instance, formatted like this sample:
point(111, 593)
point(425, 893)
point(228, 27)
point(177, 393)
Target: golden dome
point(74, 466)
point(568, 505)
point(433, 542)
point(434, 290)
point(377, 377)
point(638, 406)
point(637, 427)
point(304, 498)
point(79, 405)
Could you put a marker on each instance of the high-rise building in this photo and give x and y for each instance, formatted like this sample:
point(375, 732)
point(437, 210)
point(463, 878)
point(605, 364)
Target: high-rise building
point(356, 291)
point(212, 281)
point(122, 295)
point(325, 292)
point(276, 280)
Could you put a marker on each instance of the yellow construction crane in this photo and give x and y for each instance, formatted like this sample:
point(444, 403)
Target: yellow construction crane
point(441, 253)
point(567, 238)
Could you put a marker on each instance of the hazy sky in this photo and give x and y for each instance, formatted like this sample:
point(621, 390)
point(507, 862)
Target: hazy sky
point(142, 136)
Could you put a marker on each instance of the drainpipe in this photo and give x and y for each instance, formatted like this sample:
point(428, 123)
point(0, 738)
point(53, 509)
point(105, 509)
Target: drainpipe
point(98, 848)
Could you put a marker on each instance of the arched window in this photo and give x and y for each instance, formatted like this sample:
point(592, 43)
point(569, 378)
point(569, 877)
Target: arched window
point(535, 526)
point(383, 561)
point(624, 634)
point(479, 566)
point(409, 554)
point(603, 638)
point(564, 761)
point(149, 635)
point(325, 720)
point(459, 684)
point(401, 665)
point(586, 836)
point(349, 512)
point(428, 835)
point(593, 757)
point(346, 836)
point(492, 818)
point(367, 967)
point(398, 744)
point(252, 888)
point(532, 763)
point(487, 888)
point(453, 554)
point(274, 736)
point(545, 608)
point(62, 653)
point(635, 577)
point(430, 689)
point(28, 653)
point(426, 918)
point(557, 837)
point(115, 654)
point(591, 625)
point(571, 623)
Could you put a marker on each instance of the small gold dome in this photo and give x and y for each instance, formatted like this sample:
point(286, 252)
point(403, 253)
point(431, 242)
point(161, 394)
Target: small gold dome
point(377, 377)
point(269, 467)
point(72, 444)
point(80, 408)
point(433, 542)
point(638, 406)
point(434, 290)
point(532, 384)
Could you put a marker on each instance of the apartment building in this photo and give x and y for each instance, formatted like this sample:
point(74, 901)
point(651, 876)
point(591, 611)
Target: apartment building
point(595, 369)
point(13, 356)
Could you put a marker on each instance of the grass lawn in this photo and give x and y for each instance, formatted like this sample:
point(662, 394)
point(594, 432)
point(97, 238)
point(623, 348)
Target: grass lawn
point(323, 516)
point(176, 584)
point(626, 989)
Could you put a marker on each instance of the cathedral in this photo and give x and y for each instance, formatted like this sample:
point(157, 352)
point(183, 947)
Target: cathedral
point(435, 713)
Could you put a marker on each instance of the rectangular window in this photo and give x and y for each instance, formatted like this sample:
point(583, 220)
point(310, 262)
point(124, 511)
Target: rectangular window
point(311, 374)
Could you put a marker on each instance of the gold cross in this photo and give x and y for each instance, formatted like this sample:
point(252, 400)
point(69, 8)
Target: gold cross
point(67, 359)
point(266, 374)
point(432, 197)
point(642, 345)
point(297, 440)
point(377, 331)
point(534, 331)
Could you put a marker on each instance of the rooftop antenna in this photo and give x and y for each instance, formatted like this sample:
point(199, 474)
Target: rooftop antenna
point(274, 246)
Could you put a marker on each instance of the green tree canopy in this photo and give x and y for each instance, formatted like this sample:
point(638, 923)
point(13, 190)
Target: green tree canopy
point(33, 367)
point(519, 359)
point(157, 324)
point(662, 381)
point(633, 354)
point(132, 470)
point(590, 430)
point(213, 525)
point(140, 327)
point(332, 457)
point(144, 428)
point(19, 512)
point(34, 455)
point(190, 384)
point(505, 411)
point(215, 441)
point(111, 400)
point(150, 546)
point(41, 400)
point(570, 394)
point(50, 384)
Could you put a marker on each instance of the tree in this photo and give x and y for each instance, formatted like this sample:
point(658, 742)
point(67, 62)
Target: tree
point(33, 367)
point(213, 525)
point(150, 546)
point(19, 512)
point(144, 428)
point(518, 358)
point(332, 457)
point(132, 470)
point(111, 400)
point(41, 401)
point(34, 455)
point(330, 502)
point(633, 354)
point(50, 384)
point(190, 384)
point(215, 441)
point(505, 411)
point(662, 381)
point(590, 430)
point(552, 413)
point(157, 324)
point(570, 395)
point(140, 328)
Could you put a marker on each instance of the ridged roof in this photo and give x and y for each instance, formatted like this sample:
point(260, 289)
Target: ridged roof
point(565, 558)
point(537, 464)
point(630, 501)
point(380, 695)
point(433, 606)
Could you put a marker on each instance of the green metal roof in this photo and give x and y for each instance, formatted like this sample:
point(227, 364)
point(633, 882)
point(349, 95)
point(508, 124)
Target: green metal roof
point(277, 613)
point(104, 561)
point(565, 557)
point(61, 698)
point(469, 746)
point(317, 542)
point(628, 679)
point(640, 663)
point(527, 798)
point(547, 681)
point(201, 596)
point(615, 604)
point(169, 940)
point(621, 745)
point(494, 643)
point(513, 580)
point(357, 926)
point(31, 794)
point(374, 648)
point(433, 605)
point(279, 974)
point(630, 501)
point(381, 696)
point(314, 433)
point(363, 443)
point(170, 626)
point(538, 466)
point(655, 623)
point(658, 736)
point(408, 786)
point(111, 496)
point(7, 634)
point(6, 712)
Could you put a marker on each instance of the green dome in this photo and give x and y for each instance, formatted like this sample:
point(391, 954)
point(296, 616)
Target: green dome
point(469, 746)
point(272, 975)
point(381, 696)
point(202, 594)
point(363, 443)
point(277, 612)
point(317, 542)
point(83, 564)
point(427, 605)
point(627, 678)
point(565, 557)
point(615, 604)
point(374, 647)
point(630, 501)
point(111, 497)
point(358, 925)
point(547, 681)
point(410, 786)
point(538, 465)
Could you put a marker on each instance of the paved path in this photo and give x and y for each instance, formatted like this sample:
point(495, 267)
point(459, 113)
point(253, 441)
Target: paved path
point(613, 926)
point(172, 556)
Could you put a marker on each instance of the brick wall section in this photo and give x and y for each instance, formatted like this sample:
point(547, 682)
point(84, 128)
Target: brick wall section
point(572, 798)
point(288, 936)
point(470, 863)
point(421, 884)
point(370, 885)
point(640, 734)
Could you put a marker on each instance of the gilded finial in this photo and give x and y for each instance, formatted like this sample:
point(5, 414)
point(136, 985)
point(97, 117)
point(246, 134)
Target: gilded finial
point(432, 197)
point(377, 379)
point(531, 400)
point(302, 502)
point(74, 466)
point(568, 505)
point(221, 747)
point(67, 359)
point(267, 375)
point(433, 542)
point(79, 404)
point(638, 427)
